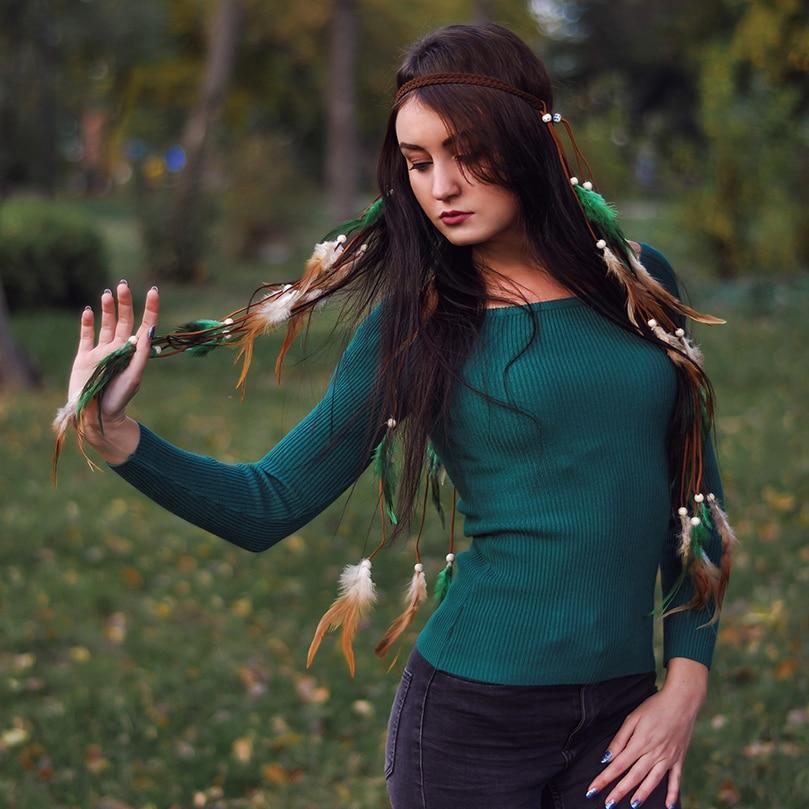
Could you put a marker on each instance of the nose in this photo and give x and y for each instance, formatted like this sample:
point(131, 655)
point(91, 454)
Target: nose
point(446, 179)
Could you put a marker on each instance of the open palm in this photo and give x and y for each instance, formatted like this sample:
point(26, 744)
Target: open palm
point(113, 334)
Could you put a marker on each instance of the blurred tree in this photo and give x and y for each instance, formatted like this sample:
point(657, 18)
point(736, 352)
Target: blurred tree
point(186, 222)
point(56, 58)
point(341, 109)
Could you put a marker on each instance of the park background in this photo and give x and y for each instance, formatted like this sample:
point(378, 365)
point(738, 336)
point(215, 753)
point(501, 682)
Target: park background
point(206, 146)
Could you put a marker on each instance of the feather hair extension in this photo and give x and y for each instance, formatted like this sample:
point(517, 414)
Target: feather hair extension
point(414, 596)
point(437, 475)
point(617, 269)
point(357, 596)
point(385, 471)
point(729, 542)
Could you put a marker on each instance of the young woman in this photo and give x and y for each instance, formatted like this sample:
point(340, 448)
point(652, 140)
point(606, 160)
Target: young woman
point(544, 358)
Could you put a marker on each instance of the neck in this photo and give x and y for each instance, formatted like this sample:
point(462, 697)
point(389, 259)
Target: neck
point(519, 274)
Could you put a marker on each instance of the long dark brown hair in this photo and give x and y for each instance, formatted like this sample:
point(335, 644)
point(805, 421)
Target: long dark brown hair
point(433, 295)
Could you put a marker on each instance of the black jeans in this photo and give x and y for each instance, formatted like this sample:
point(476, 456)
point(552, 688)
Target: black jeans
point(455, 743)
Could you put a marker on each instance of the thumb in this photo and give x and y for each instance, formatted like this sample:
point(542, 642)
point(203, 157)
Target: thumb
point(142, 350)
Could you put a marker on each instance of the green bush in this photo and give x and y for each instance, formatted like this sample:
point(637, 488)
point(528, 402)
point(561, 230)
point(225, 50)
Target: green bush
point(51, 255)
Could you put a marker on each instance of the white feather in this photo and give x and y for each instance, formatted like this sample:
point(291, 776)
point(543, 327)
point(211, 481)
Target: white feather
point(65, 415)
point(417, 589)
point(275, 308)
point(357, 584)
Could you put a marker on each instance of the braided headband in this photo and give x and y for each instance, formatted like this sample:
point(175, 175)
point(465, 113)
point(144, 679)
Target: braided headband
point(324, 270)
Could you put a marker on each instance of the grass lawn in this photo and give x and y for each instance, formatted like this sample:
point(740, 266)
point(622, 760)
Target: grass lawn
point(145, 663)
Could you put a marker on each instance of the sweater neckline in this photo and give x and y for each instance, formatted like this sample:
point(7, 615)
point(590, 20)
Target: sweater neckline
point(551, 303)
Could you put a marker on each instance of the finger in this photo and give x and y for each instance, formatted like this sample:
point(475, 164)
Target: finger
point(675, 774)
point(632, 778)
point(126, 318)
point(151, 311)
point(86, 330)
point(617, 767)
point(107, 330)
point(648, 785)
point(621, 738)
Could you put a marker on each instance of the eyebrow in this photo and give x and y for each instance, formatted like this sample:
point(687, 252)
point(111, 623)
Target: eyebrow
point(416, 147)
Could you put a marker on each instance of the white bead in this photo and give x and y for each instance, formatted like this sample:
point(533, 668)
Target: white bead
point(363, 247)
point(601, 244)
point(695, 521)
point(227, 321)
point(132, 339)
point(341, 238)
point(366, 563)
point(450, 557)
point(418, 567)
point(699, 497)
point(651, 323)
point(547, 117)
point(157, 349)
point(679, 332)
point(557, 116)
point(574, 180)
point(711, 496)
point(588, 185)
point(682, 511)
point(391, 423)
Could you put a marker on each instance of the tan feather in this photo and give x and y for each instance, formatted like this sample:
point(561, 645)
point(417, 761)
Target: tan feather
point(618, 270)
point(415, 595)
point(357, 594)
point(660, 292)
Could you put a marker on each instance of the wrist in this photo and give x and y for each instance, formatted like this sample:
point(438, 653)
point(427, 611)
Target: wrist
point(118, 441)
point(688, 679)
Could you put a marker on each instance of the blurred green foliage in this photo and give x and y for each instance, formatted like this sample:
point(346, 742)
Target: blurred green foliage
point(708, 107)
point(51, 255)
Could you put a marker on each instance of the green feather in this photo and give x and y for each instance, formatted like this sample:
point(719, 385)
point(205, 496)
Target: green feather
point(442, 583)
point(434, 472)
point(201, 349)
point(604, 215)
point(371, 214)
point(107, 369)
point(386, 472)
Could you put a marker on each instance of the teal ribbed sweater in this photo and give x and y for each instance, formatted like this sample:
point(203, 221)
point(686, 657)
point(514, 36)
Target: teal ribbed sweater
point(568, 511)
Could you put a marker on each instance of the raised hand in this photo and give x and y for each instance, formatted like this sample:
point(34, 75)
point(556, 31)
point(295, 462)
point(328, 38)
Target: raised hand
point(113, 334)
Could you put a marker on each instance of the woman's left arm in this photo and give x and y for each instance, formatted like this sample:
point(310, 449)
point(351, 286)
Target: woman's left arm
point(654, 738)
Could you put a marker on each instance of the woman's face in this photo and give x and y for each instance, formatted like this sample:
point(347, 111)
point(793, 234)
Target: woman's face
point(440, 187)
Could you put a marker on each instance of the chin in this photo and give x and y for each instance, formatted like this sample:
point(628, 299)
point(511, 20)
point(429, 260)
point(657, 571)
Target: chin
point(463, 239)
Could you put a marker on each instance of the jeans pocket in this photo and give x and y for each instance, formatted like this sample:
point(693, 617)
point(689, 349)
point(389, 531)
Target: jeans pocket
point(393, 721)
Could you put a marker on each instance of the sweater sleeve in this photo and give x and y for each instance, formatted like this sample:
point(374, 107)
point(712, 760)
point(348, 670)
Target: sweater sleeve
point(254, 505)
point(682, 635)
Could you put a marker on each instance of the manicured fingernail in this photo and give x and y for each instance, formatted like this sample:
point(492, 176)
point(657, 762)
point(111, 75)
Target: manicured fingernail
point(152, 330)
point(590, 792)
point(124, 281)
point(106, 291)
point(636, 803)
point(155, 288)
point(606, 757)
point(609, 805)
point(88, 307)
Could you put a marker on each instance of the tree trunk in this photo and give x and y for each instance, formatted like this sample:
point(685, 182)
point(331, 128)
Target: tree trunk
point(17, 370)
point(186, 227)
point(341, 146)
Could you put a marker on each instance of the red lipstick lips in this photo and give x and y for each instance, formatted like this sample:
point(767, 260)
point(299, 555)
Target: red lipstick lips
point(455, 217)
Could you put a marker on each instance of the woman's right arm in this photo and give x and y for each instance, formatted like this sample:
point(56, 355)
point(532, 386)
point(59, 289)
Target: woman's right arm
point(254, 505)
